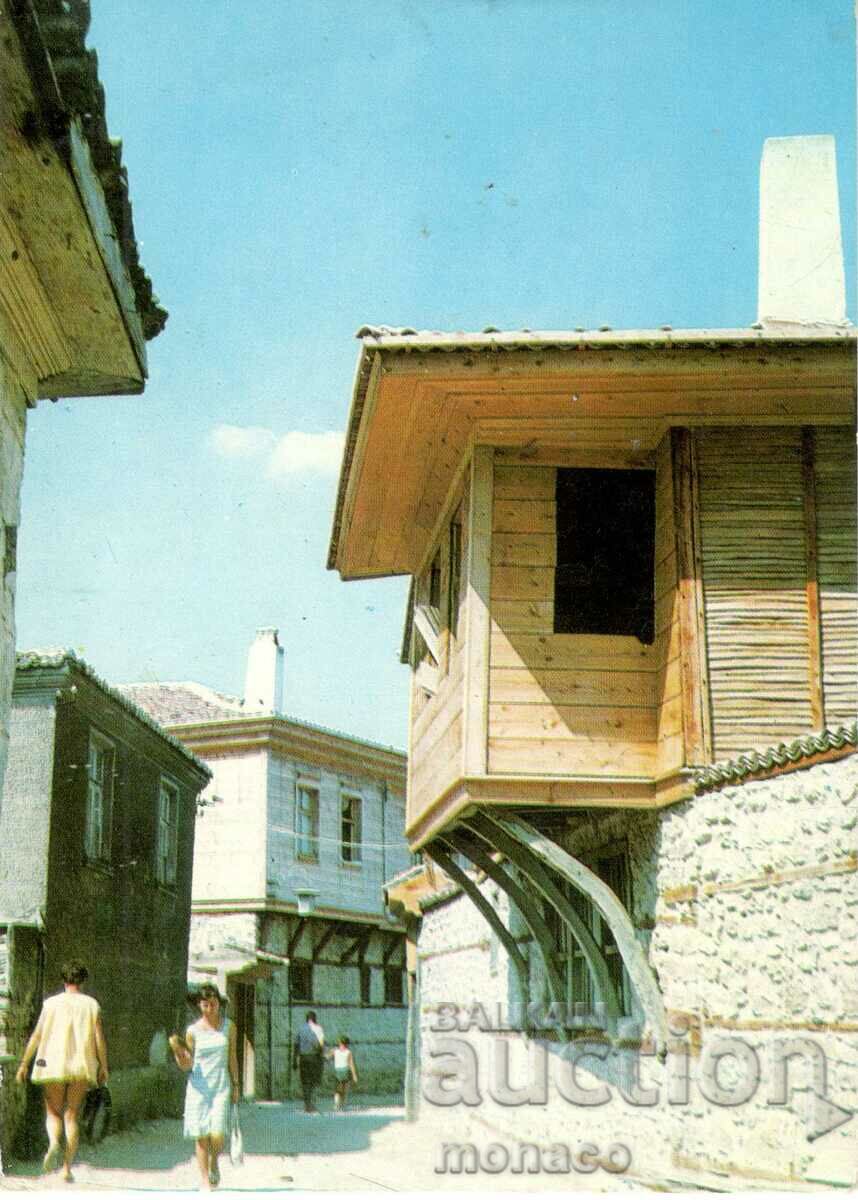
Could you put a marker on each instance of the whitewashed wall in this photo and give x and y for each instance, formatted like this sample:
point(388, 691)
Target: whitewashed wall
point(229, 851)
point(348, 886)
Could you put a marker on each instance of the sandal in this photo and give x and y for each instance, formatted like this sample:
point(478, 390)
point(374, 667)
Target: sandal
point(52, 1157)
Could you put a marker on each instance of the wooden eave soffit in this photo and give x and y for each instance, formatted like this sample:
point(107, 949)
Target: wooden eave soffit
point(424, 412)
point(67, 307)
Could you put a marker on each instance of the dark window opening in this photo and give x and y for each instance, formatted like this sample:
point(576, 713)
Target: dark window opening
point(455, 577)
point(10, 553)
point(604, 580)
point(435, 583)
point(394, 991)
point(301, 979)
point(366, 985)
point(614, 871)
point(350, 829)
point(581, 990)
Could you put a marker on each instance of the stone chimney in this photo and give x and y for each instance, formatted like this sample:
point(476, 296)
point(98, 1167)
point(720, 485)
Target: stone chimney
point(263, 683)
point(801, 278)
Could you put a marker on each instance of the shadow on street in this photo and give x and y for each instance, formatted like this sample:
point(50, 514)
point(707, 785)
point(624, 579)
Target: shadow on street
point(273, 1131)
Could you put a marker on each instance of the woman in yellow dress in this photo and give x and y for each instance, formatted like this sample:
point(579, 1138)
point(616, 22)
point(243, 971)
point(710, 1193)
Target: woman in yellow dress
point(71, 1057)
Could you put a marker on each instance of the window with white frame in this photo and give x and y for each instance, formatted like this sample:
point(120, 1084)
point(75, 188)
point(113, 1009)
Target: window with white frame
point(168, 832)
point(99, 799)
point(307, 822)
point(350, 828)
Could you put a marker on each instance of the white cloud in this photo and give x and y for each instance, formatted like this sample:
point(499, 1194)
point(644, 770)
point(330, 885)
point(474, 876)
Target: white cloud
point(242, 441)
point(289, 454)
point(318, 452)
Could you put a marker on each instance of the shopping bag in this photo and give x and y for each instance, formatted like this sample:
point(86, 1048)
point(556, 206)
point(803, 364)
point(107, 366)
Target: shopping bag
point(236, 1142)
point(95, 1118)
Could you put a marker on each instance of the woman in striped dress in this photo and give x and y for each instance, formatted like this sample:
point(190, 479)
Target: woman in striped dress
point(208, 1051)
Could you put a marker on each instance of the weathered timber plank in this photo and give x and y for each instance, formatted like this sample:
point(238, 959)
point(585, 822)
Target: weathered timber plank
point(569, 651)
point(524, 549)
point(525, 756)
point(544, 721)
point(518, 516)
point(478, 586)
point(433, 773)
point(835, 478)
point(450, 693)
point(525, 616)
point(693, 668)
point(524, 483)
point(531, 455)
point(628, 688)
point(670, 753)
point(522, 583)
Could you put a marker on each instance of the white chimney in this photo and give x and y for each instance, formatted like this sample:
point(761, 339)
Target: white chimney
point(263, 683)
point(801, 254)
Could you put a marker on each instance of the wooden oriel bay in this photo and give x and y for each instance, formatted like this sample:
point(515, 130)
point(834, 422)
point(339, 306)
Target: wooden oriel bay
point(561, 632)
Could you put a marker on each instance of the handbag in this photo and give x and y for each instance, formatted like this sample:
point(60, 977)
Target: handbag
point(236, 1141)
point(95, 1118)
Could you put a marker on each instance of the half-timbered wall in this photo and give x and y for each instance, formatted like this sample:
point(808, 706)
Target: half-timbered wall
point(559, 704)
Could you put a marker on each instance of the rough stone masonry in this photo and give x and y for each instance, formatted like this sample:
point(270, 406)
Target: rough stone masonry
point(746, 899)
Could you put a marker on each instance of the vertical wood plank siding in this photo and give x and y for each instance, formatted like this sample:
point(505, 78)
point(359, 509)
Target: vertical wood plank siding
point(559, 704)
point(811, 547)
point(696, 717)
point(754, 580)
point(436, 731)
point(836, 568)
point(671, 749)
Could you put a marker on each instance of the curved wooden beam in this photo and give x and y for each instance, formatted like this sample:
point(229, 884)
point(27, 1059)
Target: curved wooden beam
point(532, 918)
point(539, 876)
point(446, 863)
point(599, 894)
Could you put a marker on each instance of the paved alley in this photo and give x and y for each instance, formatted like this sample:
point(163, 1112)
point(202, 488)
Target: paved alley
point(367, 1148)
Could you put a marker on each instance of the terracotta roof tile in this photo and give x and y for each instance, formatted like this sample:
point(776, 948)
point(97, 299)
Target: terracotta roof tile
point(786, 754)
point(182, 703)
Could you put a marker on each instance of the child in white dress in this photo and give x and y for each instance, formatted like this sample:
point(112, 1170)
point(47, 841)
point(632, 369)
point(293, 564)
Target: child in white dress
point(344, 1072)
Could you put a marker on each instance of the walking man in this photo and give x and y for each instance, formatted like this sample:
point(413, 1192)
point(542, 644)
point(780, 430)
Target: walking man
point(308, 1058)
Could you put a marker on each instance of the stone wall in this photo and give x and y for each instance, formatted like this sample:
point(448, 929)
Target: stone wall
point(20, 1000)
point(12, 427)
point(746, 900)
point(26, 812)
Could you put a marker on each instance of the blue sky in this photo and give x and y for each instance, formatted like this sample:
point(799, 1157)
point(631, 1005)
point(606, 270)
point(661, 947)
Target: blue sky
point(300, 169)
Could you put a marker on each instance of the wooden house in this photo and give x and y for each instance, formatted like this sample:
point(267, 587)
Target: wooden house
point(633, 560)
